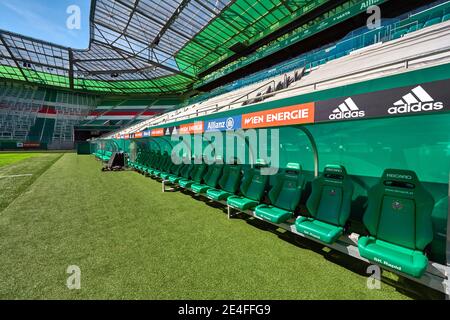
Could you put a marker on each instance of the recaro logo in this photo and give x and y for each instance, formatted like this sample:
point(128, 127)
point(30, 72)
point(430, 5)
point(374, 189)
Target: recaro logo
point(347, 110)
point(399, 176)
point(418, 100)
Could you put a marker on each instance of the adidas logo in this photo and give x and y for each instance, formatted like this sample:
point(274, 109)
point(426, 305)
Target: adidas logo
point(347, 110)
point(418, 100)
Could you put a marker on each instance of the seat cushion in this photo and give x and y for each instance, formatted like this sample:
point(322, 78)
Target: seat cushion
point(174, 179)
point(241, 203)
point(316, 229)
point(412, 262)
point(184, 183)
point(272, 214)
point(200, 188)
point(165, 175)
point(218, 195)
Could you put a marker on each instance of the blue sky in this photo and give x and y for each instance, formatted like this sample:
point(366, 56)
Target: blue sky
point(46, 20)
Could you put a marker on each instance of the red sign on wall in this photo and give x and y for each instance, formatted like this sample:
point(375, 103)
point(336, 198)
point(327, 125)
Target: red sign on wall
point(298, 114)
point(192, 128)
point(157, 132)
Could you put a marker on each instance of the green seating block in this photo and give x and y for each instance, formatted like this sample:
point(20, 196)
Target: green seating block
point(412, 262)
point(272, 214)
point(319, 230)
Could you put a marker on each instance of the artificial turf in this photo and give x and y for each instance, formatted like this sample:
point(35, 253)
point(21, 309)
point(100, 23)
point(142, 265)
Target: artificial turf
point(131, 241)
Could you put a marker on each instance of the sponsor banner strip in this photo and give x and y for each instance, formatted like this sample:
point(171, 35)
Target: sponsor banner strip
point(292, 115)
point(418, 99)
point(426, 98)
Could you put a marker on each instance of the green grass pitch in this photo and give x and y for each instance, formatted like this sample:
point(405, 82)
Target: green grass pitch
point(131, 241)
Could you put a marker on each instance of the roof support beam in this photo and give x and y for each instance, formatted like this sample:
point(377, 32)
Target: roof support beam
point(127, 5)
point(169, 22)
point(71, 80)
point(130, 55)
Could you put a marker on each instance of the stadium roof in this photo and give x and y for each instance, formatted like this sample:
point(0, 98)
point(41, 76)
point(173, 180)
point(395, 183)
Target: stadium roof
point(147, 46)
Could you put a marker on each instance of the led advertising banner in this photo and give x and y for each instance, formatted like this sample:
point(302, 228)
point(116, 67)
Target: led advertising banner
point(418, 99)
point(298, 114)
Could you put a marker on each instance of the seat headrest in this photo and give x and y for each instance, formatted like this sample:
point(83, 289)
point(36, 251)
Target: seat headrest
point(398, 178)
point(233, 161)
point(261, 163)
point(334, 172)
point(293, 168)
point(335, 169)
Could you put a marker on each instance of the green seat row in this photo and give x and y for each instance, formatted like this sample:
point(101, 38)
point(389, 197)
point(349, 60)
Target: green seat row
point(398, 199)
point(103, 155)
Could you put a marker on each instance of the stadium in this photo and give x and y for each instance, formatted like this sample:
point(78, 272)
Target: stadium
point(225, 149)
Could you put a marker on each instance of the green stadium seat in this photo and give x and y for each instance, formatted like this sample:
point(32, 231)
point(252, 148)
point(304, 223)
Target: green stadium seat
point(432, 22)
point(196, 176)
point(174, 170)
point(164, 166)
point(252, 188)
point(329, 205)
point(155, 164)
point(415, 27)
point(211, 178)
point(446, 17)
point(228, 183)
point(398, 219)
point(284, 195)
point(185, 173)
point(399, 33)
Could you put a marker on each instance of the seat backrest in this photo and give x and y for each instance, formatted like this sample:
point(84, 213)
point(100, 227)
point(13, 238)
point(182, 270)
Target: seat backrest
point(287, 189)
point(166, 161)
point(231, 178)
point(157, 160)
point(186, 171)
point(174, 167)
point(331, 196)
point(254, 183)
point(213, 174)
point(198, 172)
point(399, 210)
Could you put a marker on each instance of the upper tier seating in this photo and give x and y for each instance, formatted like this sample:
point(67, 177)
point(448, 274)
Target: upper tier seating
point(399, 199)
point(359, 57)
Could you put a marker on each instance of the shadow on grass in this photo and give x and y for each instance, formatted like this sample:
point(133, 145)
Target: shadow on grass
point(403, 285)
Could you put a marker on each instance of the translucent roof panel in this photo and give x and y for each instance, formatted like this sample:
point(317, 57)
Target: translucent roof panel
point(146, 46)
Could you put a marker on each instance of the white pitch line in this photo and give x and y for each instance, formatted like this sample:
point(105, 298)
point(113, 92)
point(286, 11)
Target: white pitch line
point(17, 176)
